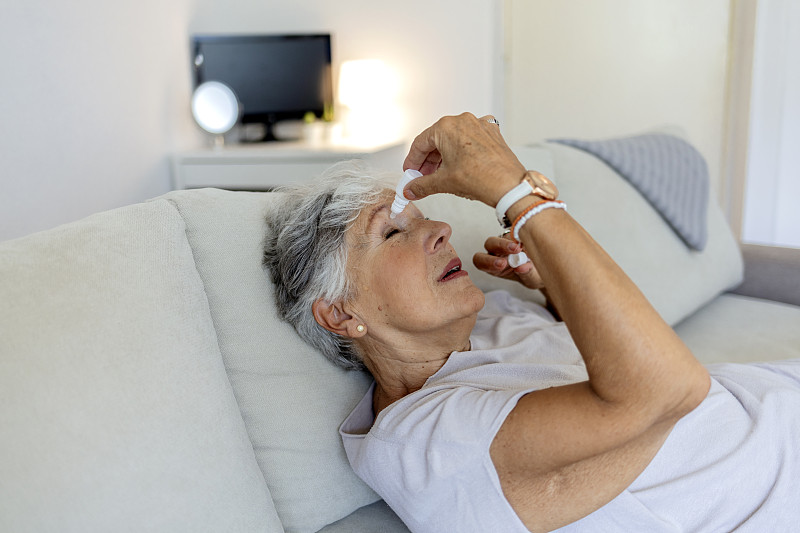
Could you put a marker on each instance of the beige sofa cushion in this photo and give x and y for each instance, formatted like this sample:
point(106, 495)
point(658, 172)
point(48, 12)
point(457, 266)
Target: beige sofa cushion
point(115, 409)
point(291, 398)
point(739, 329)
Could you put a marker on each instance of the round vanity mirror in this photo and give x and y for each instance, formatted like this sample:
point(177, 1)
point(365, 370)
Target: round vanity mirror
point(215, 107)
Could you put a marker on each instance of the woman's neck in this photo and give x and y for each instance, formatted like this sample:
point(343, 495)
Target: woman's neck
point(404, 367)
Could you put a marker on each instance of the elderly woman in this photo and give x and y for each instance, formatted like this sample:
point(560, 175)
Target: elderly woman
point(486, 413)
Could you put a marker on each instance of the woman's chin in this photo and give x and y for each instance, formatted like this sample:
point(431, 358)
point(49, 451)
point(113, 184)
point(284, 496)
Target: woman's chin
point(474, 293)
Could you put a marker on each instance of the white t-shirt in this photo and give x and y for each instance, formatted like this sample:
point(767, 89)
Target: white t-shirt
point(734, 462)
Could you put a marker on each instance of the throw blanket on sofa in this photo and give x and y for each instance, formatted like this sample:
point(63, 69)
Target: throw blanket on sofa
point(668, 171)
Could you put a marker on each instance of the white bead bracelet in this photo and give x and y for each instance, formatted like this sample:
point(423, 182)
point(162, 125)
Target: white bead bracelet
point(532, 211)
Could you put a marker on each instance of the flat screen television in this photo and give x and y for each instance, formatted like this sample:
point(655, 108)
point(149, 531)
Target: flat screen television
point(275, 77)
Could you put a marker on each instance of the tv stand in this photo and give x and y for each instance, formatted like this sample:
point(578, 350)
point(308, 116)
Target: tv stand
point(263, 166)
point(269, 133)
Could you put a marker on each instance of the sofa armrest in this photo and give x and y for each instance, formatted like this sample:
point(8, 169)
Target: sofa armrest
point(771, 273)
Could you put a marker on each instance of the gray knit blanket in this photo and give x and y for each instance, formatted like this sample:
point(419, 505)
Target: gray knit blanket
point(668, 171)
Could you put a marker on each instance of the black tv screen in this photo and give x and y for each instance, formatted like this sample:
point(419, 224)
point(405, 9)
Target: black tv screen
point(275, 77)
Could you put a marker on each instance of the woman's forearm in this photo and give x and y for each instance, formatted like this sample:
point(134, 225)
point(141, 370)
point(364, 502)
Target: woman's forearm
point(634, 359)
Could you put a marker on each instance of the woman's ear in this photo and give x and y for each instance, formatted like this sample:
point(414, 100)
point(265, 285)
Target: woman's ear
point(333, 317)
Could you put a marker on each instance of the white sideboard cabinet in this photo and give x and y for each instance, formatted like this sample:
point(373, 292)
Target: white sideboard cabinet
point(262, 166)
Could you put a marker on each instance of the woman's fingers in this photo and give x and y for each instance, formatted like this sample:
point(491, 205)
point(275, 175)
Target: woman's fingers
point(423, 151)
point(495, 262)
point(529, 276)
point(491, 264)
point(501, 246)
point(465, 156)
point(499, 267)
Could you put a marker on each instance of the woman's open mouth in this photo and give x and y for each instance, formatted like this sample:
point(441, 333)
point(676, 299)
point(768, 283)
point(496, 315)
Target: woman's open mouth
point(453, 271)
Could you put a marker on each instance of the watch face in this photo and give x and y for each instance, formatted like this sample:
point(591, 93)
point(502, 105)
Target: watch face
point(541, 185)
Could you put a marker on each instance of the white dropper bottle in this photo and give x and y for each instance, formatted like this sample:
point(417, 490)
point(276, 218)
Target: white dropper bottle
point(400, 201)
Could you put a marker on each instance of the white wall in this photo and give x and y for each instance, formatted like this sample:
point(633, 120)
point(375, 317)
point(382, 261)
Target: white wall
point(94, 95)
point(771, 214)
point(593, 69)
point(93, 98)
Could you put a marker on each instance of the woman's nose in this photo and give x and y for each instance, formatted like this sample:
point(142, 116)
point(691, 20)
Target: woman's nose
point(438, 235)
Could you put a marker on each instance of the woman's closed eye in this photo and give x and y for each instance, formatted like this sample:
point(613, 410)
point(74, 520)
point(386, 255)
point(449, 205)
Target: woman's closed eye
point(391, 232)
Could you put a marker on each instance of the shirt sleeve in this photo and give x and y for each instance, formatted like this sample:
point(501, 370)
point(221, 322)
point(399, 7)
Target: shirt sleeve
point(428, 457)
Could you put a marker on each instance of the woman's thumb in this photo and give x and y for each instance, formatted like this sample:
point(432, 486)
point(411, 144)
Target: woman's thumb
point(529, 276)
point(423, 186)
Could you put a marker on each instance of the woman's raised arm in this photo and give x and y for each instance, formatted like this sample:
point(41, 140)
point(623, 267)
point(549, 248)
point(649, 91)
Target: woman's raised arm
point(564, 452)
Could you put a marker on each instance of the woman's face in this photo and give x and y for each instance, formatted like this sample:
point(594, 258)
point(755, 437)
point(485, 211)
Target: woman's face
point(406, 273)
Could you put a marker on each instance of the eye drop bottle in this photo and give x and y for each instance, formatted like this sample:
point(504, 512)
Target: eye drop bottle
point(400, 201)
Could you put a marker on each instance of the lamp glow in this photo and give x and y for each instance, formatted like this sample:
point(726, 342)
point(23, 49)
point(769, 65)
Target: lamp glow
point(367, 89)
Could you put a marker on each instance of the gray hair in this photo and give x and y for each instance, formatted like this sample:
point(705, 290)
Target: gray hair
point(306, 254)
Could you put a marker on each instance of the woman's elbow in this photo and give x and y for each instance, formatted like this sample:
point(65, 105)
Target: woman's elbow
point(694, 389)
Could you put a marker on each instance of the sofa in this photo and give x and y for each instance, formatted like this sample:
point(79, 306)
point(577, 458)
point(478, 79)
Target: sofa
point(146, 383)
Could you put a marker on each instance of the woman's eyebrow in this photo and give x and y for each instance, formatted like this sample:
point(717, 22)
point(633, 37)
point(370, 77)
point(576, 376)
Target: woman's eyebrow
point(377, 209)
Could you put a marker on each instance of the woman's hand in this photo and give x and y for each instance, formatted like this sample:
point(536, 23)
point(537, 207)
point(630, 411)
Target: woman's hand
point(466, 156)
point(495, 262)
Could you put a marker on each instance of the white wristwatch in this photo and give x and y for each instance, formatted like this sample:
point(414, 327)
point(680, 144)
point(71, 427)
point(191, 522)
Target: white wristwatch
point(532, 183)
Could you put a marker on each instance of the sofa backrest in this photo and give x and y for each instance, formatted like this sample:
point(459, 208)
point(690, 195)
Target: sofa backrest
point(115, 408)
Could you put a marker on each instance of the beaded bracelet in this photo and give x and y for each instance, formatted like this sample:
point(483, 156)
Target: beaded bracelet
point(531, 211)
point(532, 206)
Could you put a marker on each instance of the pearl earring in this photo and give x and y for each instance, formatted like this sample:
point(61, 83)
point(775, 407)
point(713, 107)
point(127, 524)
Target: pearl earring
point(360, 328)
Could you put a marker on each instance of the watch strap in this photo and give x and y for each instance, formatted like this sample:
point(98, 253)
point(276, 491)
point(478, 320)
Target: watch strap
point(510, 198)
